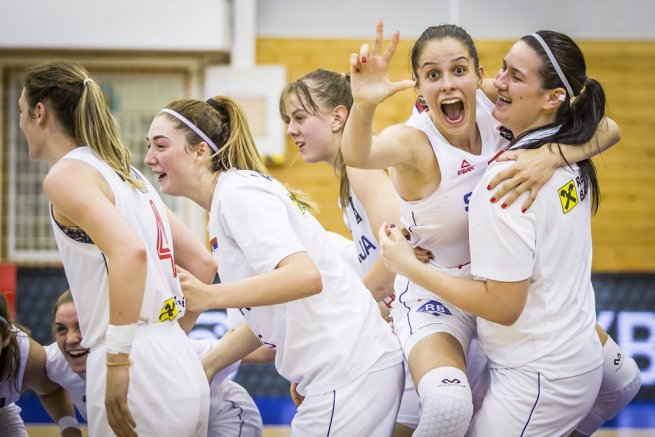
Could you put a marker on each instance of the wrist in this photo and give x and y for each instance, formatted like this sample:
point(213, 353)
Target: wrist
point(119, 338)
point(68, 422)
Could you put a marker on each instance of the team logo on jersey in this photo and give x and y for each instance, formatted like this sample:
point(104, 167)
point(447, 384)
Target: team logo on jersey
point(568, 196)
point(465, 167)
point(169, 311)
point(214, 243)
point(435, 308)
point(300, 206)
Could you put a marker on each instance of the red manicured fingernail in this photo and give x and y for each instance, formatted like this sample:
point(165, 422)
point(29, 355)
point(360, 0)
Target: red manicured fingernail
point(392, 225)
point(523, 210)
point(492, 200)
point(488, 187)
point(363, 59)
point(504, 205)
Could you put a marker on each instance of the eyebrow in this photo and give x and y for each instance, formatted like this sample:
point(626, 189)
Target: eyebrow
point(157, 137)
point(459, 58)
point(512, 68)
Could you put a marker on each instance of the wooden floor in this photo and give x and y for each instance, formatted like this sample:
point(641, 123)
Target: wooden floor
point(271, 431)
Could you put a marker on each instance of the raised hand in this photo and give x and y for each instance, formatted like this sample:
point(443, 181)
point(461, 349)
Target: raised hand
point(368, 70)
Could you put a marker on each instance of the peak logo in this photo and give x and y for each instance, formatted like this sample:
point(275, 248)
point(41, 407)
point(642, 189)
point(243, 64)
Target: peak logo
point(464, 168)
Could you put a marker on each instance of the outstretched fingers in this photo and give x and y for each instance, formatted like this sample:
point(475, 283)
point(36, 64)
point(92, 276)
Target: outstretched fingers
point(379, 31)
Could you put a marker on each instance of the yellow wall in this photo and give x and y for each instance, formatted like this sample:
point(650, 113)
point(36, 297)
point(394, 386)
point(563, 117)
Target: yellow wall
point(623, 229)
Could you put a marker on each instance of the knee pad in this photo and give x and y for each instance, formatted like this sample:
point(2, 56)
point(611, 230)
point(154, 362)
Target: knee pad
point(621, 382)
point(446, 403)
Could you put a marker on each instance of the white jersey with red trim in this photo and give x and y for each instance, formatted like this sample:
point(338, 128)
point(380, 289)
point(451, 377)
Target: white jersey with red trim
point(10, 390)
point(86, 266)
point(255, 223)
point(59, 371)
point(439, 222)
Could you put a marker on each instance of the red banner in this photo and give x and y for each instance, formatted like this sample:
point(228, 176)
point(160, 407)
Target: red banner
point(8, 285)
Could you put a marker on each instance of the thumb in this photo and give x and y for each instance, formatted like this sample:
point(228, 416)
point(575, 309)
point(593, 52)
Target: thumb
point(401, 85)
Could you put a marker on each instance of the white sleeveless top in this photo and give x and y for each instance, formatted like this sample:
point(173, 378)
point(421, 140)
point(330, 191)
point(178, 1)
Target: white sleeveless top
point(323, 341)
point(439, 222)
point(8, 392)
point(366, 245)
point(86, 267)
point(59, 371)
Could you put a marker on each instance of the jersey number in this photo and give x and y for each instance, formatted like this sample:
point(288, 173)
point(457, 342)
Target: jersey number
point(163, 248)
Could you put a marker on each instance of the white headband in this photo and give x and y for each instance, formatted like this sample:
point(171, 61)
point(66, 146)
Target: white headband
point(191, 126)
point(553, 61)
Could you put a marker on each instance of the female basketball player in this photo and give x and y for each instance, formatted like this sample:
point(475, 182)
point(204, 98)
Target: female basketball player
point(116, 238)
point(443, 155)
point(22, 367)
point(232, 413)
point(536, 314)
point(278, 265)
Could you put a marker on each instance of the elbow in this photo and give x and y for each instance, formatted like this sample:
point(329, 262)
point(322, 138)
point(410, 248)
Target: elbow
point(314, 283)
point(509, 317)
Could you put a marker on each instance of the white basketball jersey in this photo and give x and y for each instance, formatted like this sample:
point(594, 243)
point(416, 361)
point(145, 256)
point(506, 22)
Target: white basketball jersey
point(323, 341)
point(366, 245)
point(439, 222)
point(59, 371)
point(550, 244)
point(86, 267)
point(8, 391)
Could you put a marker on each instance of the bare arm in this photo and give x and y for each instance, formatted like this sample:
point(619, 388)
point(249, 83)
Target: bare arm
point(191, 255)
point(499, 302)
point(533, 168)
point(55, 400)
point(90, 206)
point(370, 86)
point(231, 348)
point(295, 277)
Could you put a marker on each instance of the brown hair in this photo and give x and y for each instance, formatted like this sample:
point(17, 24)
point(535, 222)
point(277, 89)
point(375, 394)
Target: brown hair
point(10, 357)
point(79, 106)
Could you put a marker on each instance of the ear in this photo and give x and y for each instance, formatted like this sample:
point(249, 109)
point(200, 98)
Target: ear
point(201, 151)
point(339, 117)
point(556, 98)
point(480, 77)
point(40, 113)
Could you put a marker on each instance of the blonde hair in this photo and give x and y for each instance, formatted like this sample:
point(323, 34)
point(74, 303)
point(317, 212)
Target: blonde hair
point(79, 105)
point(223, 120)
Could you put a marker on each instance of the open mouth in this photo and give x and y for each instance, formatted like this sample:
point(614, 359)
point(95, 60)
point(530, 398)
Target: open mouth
point(453, 110)
point(77, 353)
point(503, 100)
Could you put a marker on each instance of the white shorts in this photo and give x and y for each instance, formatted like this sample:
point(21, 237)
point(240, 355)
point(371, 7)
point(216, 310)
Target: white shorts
point(368, 406)
point(418, 313)
point(11, 424)
point(477, 372)
point(233, 413)
point(168, 390)
point(526, 403)
point(410, 406)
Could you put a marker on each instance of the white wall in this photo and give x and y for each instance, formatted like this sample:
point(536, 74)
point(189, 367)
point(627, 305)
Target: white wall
point(591, 19)
point(196, 25)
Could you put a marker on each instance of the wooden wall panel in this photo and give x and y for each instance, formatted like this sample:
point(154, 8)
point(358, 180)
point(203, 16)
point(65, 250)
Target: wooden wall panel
point(623, 229)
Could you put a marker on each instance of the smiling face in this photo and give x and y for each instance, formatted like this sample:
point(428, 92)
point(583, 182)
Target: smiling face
point(448, 79)
point(522, 103)
point(312, 133)
point(68, 337)
point(168, 157)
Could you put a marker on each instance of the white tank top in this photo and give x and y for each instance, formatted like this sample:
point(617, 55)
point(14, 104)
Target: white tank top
point(366, 245)
point(59, 371)
point(439, 222)
point(86, 267)
point(8, 392)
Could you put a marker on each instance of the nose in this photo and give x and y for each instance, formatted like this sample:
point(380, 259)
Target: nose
point(292, 128)
point(149, 159)
point(446, 82)
point(73, 336)
point(500, 80)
